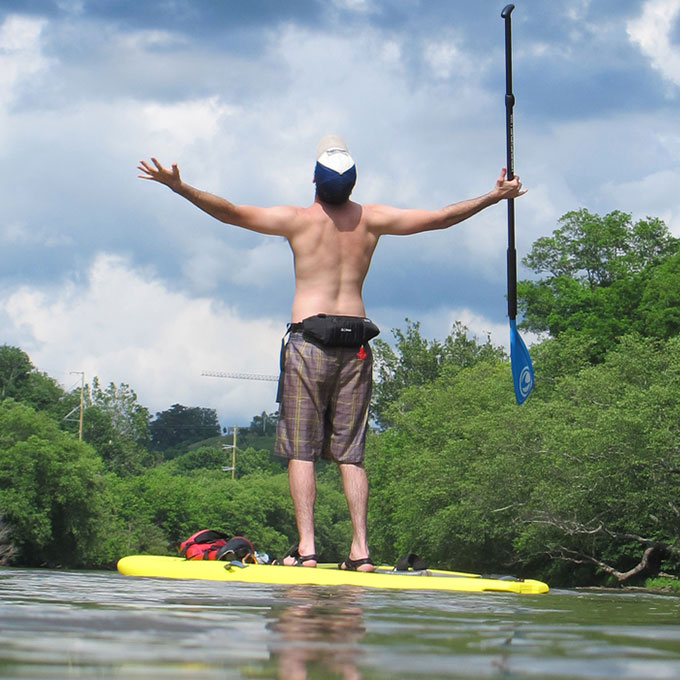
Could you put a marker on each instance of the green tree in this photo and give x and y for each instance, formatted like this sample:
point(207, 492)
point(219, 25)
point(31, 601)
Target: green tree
point(598, 269)
point(264, 423)
point(117, 425)
point(179, 426)
point(607, 465)
point(416, 361)
point(660, 300)
point(15, 367)
point(587, 472)
point(597, 250)
point(203, 457)
point(53, 495)
point(166, 504)
point(128, 417)
point(257, 461)
point(444, 470)
point(20, 380)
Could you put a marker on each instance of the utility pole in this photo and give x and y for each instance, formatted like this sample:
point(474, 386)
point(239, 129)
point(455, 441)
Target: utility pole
point(233, 455)
point(239, 376)
point(81, 407)
point(80, 417)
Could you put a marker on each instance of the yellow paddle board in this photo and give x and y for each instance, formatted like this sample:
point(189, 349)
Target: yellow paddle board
point(322, 575)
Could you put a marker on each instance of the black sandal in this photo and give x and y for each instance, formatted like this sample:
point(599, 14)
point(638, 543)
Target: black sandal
point(353, 565)
point(299, 559)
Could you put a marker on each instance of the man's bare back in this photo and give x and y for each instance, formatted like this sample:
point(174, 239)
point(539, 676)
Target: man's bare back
point(332, 252)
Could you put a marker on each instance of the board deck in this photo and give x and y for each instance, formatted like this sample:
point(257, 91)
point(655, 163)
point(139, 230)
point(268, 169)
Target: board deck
point(322, 575)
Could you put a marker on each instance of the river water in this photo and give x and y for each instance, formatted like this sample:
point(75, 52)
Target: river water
point(56, 624)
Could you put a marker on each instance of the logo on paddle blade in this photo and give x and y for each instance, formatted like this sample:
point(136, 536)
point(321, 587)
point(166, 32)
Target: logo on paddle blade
point(526, 382)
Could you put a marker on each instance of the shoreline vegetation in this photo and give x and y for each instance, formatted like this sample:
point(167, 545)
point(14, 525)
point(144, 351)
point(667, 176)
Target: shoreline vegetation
point(666, 584)
point(657, 586)
point(578, 487)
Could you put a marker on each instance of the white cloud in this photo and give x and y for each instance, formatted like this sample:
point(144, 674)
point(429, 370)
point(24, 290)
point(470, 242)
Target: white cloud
point(651, 31)
point(654, 195)
point(421, 107)
point(580, 164)
point(142, 40)
point(182, 123)
point(20, 52)
point(442, 57)
point(124, 325)
point(359, 6)
point(71, 6)
point(210, 261)
point(21, 59)
point(448, 60)
point(18, 234)
point(577, 10)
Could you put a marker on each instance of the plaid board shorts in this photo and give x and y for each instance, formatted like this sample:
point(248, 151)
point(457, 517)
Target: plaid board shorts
point(324, 404)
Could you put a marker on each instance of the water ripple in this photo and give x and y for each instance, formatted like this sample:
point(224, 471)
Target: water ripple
point(100, 624)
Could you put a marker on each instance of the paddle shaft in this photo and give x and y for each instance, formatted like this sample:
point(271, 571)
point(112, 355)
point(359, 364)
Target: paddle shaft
point(510, 149)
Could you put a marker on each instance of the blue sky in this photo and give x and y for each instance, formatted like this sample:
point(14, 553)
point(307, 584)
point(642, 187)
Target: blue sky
point(103, 273)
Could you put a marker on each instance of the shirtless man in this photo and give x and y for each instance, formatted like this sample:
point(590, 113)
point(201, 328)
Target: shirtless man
point(332, 241)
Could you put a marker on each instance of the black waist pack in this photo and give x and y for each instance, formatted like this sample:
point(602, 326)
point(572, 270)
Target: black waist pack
point(339, 331)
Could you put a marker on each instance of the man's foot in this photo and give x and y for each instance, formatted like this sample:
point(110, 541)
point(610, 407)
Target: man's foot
point(363, 564)
point(294, 559)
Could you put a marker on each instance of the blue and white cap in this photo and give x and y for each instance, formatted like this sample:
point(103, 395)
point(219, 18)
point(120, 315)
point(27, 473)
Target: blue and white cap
point(335, 173)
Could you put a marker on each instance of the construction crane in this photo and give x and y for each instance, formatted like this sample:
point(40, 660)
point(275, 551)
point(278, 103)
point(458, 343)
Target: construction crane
point(240, 376)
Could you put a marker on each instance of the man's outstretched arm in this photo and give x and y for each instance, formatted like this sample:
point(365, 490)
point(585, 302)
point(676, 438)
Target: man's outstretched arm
point(276, 220)
point(385, 220)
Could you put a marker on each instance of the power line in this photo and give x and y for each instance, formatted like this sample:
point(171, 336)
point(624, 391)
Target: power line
point(240, 376)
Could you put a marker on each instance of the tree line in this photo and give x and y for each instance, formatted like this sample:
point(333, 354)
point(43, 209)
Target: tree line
point(580, 485)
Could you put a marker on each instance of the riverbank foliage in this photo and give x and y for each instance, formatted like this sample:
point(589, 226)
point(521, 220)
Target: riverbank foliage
point(579, 486)
point(664, 583)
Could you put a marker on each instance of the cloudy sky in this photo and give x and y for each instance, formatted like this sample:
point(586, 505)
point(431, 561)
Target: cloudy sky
point(104, 273)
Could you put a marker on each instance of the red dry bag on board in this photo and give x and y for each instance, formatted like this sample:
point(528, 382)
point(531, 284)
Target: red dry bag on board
point(208, 544)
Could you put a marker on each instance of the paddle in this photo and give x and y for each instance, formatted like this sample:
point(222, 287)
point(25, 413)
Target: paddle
point(520, 361)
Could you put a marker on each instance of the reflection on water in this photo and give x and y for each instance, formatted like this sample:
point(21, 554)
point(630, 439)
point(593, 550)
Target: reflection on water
point(320, 630)
point(102, 625)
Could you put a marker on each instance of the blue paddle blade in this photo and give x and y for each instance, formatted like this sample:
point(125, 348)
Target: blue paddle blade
point(520, 361)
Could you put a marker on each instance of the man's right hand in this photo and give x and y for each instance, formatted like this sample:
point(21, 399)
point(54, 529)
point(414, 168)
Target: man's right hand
point(158, 173)
point(508, 188)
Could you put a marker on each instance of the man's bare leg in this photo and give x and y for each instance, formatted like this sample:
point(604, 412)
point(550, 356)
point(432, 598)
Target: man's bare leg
point(302, 484)
point(355, 484)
